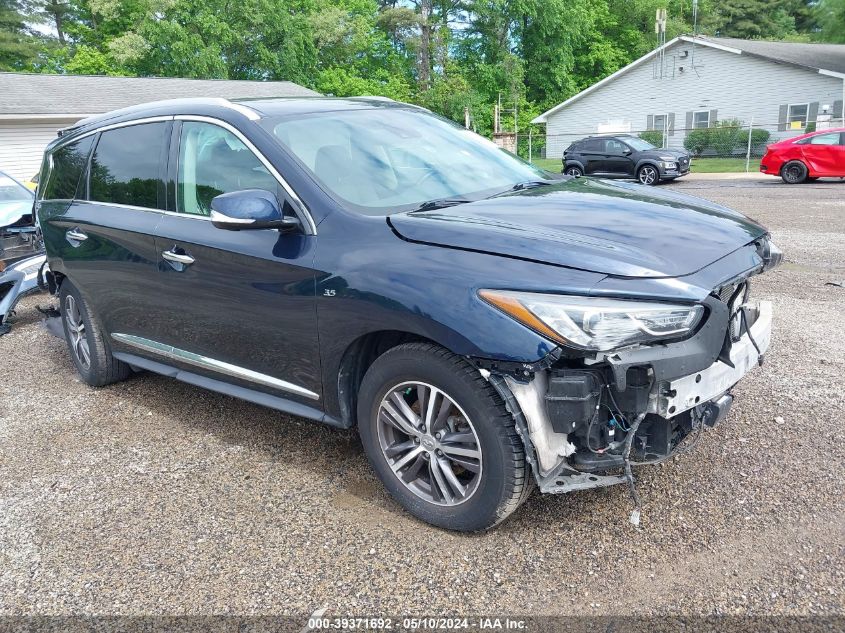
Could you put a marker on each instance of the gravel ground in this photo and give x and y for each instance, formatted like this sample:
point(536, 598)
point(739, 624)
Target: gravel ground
point(155, 497)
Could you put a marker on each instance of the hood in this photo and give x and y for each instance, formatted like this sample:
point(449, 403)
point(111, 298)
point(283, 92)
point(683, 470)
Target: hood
point(11, 212)
point(606, 227)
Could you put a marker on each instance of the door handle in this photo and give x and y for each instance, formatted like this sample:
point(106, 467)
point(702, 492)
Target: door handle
point(75, 237)
point(179, 258)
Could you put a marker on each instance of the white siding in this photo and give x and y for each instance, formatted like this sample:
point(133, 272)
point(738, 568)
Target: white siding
point(22, 144)
point(736, 86)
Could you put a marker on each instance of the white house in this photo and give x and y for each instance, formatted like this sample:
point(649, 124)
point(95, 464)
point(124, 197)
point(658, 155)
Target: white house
point(692, 82)
point(33, 107)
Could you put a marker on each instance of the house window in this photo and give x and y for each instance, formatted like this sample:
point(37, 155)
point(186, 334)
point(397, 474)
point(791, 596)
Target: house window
point(701, 119)
point(659, 122)
point(797, 116)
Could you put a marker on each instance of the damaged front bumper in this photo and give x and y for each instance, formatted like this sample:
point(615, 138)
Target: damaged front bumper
point(575, 416)
point(17, 281)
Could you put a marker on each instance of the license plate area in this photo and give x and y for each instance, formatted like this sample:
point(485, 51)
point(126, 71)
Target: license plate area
point(687, 392)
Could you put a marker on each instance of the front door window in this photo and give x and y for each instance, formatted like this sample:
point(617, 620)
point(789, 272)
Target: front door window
point(212, 161)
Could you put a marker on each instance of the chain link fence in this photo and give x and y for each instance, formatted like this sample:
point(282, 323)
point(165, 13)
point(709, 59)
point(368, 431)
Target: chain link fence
point(730, 144)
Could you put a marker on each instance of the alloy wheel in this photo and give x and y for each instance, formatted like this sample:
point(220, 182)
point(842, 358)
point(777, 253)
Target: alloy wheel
point(573, 171)
point(429, 443)
point(648, 175)
point(76, 331)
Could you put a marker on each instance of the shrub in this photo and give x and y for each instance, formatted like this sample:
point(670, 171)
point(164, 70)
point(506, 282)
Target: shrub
point(759, 138)
point(725, 138)
point(697, 141)
point(655, 137)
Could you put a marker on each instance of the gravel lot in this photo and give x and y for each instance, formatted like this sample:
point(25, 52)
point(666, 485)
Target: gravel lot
point(155, 497)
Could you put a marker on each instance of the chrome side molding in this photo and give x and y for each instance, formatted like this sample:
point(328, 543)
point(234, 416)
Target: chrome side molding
point(205, 362)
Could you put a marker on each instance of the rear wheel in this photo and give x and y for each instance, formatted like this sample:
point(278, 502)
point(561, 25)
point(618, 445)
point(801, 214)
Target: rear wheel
point(88, 346)
point(574, 170)
point(648, 175)
point(440, 439)
point(794, 172)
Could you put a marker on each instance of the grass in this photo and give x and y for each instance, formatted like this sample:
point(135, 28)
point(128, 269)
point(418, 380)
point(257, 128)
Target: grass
point(723, 165)
point(699, 165)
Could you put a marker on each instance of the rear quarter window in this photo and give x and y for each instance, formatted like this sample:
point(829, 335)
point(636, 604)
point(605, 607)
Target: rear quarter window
point(62, 170)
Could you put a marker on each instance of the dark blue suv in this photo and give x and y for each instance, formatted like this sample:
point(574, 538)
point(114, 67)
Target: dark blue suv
point(487, 326)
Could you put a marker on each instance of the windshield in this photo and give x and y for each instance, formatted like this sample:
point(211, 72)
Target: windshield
point(12, 191)
point(639, 144)
point(383, 160)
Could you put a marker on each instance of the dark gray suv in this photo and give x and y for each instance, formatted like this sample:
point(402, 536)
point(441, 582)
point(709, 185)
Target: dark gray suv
point(624, 156)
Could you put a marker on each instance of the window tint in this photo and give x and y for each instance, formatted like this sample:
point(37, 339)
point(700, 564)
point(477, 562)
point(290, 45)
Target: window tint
point(68, 164)
point(212, 161)
point(126, 165)
point(594, 145)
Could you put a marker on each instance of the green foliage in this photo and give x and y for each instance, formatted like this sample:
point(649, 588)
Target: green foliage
point(655, 137)
point(18, 44)
point(725, 138)
point(697, 141)
point(830, 15)
point(754, 19)
point(447, 55)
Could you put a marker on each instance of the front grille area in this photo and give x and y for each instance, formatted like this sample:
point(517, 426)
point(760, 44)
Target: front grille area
point(734, 295)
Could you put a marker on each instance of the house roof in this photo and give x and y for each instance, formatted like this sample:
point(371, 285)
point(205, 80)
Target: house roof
point(827, 59)
point(23, 94)
point(830, 57)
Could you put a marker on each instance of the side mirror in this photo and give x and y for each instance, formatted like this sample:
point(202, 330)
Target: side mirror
point(250, 209)
point(627, 151)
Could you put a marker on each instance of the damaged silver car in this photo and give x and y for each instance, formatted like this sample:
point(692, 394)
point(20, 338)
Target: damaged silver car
point(21, 248)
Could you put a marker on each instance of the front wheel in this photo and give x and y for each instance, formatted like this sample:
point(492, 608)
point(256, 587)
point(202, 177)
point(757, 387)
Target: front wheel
point(440, 438)
point(794, 172)
point(648, 175)
point(574, 171)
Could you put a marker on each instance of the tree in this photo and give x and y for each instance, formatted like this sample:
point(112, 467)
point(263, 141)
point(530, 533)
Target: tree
point(18, 43)
point(830, 15)
point(752, 19)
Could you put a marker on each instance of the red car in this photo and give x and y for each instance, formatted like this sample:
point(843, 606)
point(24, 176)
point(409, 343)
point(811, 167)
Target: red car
point(807, 157)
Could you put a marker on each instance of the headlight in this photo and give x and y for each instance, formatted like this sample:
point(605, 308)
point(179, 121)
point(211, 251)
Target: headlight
point(668, 165)
point(593, 323)
point(771, 255)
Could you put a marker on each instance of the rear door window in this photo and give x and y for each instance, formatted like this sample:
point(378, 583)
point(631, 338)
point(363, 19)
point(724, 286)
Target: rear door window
point(594, 146)
point(63, 170)
point(127, 166)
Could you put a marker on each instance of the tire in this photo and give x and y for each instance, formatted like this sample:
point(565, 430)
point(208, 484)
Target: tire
point(794, 172)
point(87, 343)
point(574, 171)
point(495, 483)
point(648, 175)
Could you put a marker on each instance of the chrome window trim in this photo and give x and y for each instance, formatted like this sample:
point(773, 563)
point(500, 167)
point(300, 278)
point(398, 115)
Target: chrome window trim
point(302, 211)
point(114, 126)
point(137, 208)
point(212, 364)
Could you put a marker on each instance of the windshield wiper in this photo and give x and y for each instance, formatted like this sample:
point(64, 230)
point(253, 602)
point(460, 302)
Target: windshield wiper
point(441, 203)
point(528, 184)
